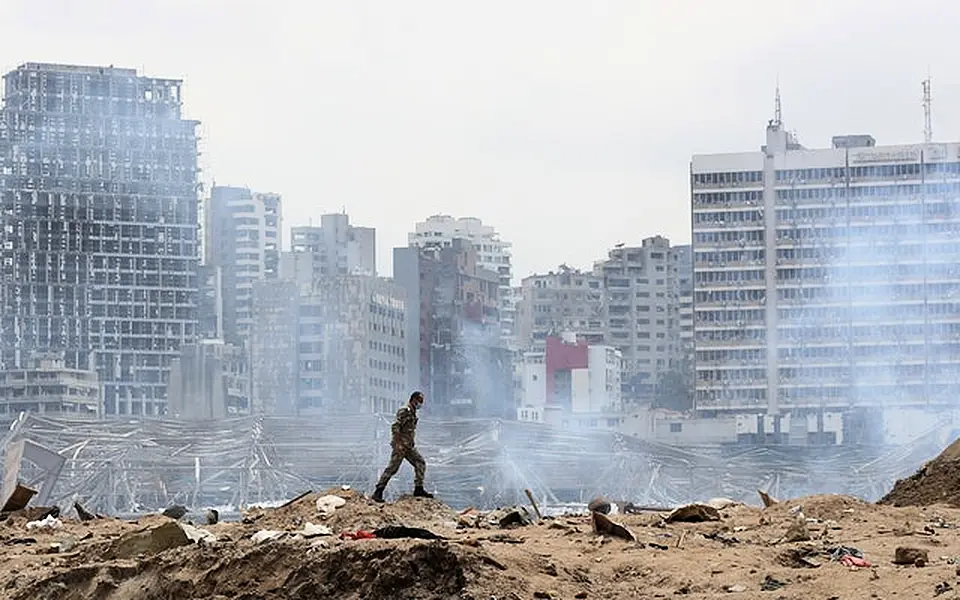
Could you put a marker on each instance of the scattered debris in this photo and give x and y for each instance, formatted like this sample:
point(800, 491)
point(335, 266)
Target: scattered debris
point(213, 516)
point(327, 505)
point(604, 526)
point(150, 541)
point(767, 499)
point(83, 513)
point(905, 555)
point(512, 517)
point(722, 503)
point(736, 589)
point(311, 531)
point(942, 588)
point(197, 535)
point(799, 558)
point(771, 584)
point(536, 508)
point(357, 535)
point(722, 537)
point(48, 522)
point(394, 532)
point(267, 535)
point(175, 512)
point(296, 499)
point(693, 513)
point(797, 532)
point(600, 505)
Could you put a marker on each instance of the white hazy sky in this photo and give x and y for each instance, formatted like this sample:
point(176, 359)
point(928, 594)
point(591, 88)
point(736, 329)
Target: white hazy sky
point(568, 125)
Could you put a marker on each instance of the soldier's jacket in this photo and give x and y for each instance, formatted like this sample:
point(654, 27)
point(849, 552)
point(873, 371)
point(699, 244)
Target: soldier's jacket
point(404, 427)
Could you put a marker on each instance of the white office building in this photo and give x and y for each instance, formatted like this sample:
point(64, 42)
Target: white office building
point(846, 260)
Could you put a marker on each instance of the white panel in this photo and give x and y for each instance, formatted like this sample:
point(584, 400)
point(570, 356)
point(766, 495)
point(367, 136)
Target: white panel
point(580, 387)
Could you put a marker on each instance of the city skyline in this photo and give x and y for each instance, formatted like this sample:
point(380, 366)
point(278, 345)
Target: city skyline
point(588, 110)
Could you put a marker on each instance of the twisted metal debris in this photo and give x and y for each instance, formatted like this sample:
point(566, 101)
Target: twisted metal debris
point(135, 465)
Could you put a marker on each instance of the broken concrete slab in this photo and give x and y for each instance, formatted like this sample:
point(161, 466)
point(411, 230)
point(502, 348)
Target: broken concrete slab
point(602, 525)
point(767, 499)
point(505, 518)
point(19, 498)
point(150, 541)
point(266, 535)
point(311, 531)
point(197, 535)
point(327, 505)
point(47, 460)
point(693, 513)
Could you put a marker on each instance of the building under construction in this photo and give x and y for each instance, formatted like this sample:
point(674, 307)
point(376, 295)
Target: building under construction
point(98, 240)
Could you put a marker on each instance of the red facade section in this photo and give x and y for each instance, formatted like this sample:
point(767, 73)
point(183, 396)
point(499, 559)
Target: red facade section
point(561, 356)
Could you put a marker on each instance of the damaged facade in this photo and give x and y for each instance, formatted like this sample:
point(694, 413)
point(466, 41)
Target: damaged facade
point(98, 233)
point(208, 381)
point(47, 386)
point(465, 367)
point(352, 345)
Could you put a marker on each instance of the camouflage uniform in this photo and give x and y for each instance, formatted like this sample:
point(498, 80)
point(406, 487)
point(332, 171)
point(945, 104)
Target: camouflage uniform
point(403, 432)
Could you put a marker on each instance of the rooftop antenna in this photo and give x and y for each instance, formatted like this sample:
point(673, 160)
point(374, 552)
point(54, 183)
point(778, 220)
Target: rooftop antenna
point(927, 109)
point(777, 112)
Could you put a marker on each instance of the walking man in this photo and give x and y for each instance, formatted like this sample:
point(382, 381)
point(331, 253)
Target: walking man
point(403, 431)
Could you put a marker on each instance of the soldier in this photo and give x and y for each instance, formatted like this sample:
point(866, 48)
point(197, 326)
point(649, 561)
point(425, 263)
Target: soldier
point(403, 431)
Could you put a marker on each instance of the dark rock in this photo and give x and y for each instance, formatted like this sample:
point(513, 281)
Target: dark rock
point(604, 526)
point(600, 505)
point(149, 542)
point(693, 513)
point(175, 512)
point(904, 555)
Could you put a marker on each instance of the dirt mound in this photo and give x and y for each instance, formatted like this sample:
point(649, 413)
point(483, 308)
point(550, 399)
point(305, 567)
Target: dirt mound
point(825, 507)
point(366, 569)
point(937, 482)
point(359, 512)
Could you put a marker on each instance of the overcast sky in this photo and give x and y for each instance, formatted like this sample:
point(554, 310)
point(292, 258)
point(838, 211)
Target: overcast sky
point(568, 125)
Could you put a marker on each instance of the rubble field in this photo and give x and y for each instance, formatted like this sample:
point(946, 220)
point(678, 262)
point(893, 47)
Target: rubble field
point(817, 547)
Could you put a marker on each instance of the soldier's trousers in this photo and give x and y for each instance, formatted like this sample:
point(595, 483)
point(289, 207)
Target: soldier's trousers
point(412, 456)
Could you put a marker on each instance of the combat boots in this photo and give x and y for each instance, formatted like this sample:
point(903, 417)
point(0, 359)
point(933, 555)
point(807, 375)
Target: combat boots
point(378, 494)
point(419, 492)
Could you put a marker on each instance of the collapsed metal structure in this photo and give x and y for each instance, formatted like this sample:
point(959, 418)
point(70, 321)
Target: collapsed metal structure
point(123, 466)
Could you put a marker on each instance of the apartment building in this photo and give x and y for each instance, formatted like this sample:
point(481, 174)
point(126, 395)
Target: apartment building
point(571, 383)
point(565, 300)
point(243, 241)
point(642, 312)
point(682, 257)
point(337, 247)
point(352, 346)
point(826, 279)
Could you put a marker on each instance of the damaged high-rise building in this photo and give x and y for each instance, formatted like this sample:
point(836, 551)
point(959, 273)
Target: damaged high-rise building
point(98, 229)
point(465, 366)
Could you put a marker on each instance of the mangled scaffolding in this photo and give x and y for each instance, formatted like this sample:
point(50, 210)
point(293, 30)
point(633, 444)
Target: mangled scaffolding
point(135, 465)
